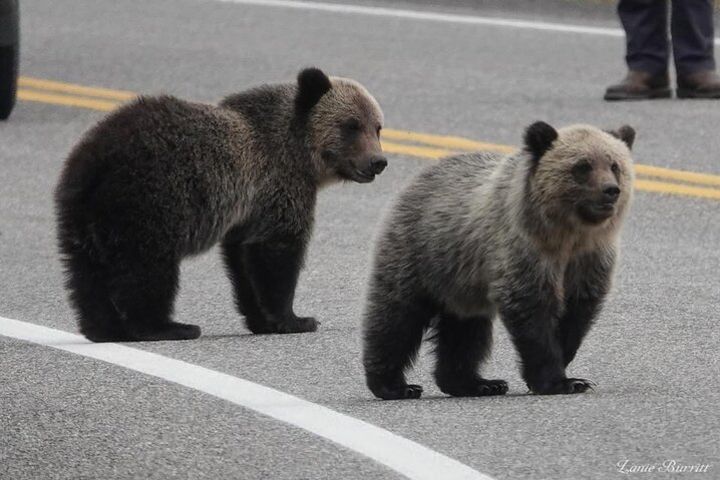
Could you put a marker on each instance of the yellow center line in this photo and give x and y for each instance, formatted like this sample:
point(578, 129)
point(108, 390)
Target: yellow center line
point(640, 169)
point(445, 141)
point(677, 189)
point(104, 99)
point(415, 151)
point(67, 100)
point(37, 83)
point(680, 175)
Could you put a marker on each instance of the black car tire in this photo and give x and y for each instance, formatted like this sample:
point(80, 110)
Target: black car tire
point(9, 55)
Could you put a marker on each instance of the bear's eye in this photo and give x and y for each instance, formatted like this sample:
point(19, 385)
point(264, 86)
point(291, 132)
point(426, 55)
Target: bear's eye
point(615, 168)
point(582, 169)
point(353, 125)
point(377, 131)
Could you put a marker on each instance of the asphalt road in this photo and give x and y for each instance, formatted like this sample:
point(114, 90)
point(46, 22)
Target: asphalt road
point(653, 353)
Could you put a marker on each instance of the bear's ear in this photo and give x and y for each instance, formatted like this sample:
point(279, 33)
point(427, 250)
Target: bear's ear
point(625, 133)
point(539, 138)
point(312, 84)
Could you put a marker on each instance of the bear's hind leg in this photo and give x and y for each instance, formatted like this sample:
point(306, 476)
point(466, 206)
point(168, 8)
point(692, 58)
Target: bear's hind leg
point(98, 319)
point(234, 254)
point(462, 345)
point(392, 338)
point(144, 292)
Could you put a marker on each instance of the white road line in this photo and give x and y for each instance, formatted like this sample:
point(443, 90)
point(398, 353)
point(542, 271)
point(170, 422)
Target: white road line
point(435, 16)
point(400, 454)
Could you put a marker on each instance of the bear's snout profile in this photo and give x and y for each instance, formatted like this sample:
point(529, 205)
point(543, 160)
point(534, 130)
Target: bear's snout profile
point(378, 164)
point(368, 168)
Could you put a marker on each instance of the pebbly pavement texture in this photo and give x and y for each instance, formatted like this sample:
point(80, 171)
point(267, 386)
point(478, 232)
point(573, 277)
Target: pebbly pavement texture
point(653, 352)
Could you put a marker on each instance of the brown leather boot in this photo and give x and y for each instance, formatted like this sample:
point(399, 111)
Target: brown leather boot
point(704, 84)
point(640, 86)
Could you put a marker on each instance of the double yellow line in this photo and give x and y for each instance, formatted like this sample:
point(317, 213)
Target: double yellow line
point(70, 95)
point(650, 178)
point(400, 142)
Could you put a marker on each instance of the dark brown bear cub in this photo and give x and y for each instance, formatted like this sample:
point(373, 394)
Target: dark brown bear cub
point(161, 179)
point(529, 237)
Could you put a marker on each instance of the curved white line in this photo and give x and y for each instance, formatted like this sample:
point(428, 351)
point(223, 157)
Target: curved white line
point(400, 454)
point(435, 16)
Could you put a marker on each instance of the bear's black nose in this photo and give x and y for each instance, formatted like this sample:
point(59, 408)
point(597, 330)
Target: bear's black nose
point(611, 193)
point(378, 164)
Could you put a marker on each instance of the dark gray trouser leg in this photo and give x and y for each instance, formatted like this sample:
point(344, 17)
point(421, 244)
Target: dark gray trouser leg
point(646, 30)
point(693, 35)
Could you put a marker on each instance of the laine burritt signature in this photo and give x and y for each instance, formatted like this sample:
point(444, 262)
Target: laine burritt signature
point(668, 466)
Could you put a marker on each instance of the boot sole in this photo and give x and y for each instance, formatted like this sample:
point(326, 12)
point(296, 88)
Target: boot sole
point(650, 95)
point(690, 93)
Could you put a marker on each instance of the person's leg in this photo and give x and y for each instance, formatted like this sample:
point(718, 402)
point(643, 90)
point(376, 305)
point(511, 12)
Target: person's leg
point(693, 49)
point(646, 32)
point(647, 51)
point(692, 36)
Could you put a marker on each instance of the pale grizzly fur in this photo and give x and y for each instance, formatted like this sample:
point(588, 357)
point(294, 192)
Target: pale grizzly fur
point(162, 178)
point(482, 234)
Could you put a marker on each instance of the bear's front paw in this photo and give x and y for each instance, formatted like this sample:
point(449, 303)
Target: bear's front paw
point(298, 325)
point(564, 386)
point(165, 331)
point(475, 387)
point(391, 386)
point(398, 392)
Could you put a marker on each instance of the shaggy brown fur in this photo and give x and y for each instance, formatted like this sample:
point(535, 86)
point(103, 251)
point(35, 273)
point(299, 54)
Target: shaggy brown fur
point(162, 178)
point(531, 237)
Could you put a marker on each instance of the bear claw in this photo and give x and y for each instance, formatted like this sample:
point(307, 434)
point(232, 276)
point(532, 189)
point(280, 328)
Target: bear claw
point(477, 387)
point(402, 392)
point(580, 385)
point(413, 391)
point(565, 386)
